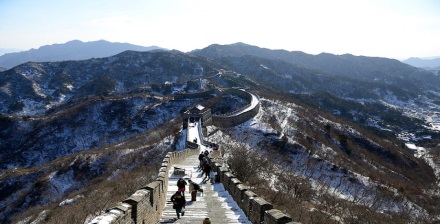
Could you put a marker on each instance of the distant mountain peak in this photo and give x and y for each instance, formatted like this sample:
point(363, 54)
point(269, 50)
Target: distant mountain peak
point(77, 41)
point(241, 44)
point(71, 50)
point(423, 62)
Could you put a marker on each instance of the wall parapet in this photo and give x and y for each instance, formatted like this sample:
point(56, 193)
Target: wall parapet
point(229, 119)
point(205, 94)
point(241, 115)
point(147, 203)
point(256, 208)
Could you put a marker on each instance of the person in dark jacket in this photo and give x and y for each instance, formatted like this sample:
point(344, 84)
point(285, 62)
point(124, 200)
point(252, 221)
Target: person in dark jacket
point(207, 171)
point(179, 203)
point(201, 156)
point(181, 184)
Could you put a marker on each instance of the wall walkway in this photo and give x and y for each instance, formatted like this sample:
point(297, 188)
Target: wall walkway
point(215, 203)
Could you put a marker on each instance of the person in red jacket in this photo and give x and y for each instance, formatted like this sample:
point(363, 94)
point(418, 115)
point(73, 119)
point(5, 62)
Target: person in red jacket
point(181, 184)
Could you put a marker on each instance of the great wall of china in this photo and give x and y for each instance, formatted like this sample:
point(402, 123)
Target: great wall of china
point(146, 205)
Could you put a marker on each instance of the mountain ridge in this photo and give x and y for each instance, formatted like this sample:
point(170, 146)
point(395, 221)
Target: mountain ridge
point(431, 63)
point(71, 50)
point(319, 62)
point(347, 65)
point(359, 79)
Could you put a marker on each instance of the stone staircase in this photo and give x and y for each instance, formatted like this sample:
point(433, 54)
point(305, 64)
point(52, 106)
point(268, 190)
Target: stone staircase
point(215, 202)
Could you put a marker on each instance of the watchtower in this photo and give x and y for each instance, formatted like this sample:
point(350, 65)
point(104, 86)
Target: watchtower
point(197, 113)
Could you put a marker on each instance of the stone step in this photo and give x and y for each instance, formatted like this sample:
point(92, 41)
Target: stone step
point(215, 202)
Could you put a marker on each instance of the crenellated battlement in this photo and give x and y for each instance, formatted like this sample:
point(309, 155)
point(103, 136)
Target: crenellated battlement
point(256, 208)
point(147, 203)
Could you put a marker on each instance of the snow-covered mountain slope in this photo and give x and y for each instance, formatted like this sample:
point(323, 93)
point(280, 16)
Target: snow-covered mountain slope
point(338, 161)
point(96, 123)
point(386, 102)
point(73, 187)
point(34, 88)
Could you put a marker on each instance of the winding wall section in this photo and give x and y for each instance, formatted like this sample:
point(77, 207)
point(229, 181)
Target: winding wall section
point(241, 115)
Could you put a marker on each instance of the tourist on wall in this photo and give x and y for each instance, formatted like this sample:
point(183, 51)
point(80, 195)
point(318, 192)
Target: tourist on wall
point(181, 186)
point(193, 188)
point(203, 163)
point(200, 160)
point(207, 171)
point(179, 203)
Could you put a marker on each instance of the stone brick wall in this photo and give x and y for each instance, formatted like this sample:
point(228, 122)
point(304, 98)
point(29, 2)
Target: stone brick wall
point(274, 216)
point(224, 120)
point(146, 204)
point(256, 208)
point(231, 121)
point(206, 94)
point(238, 92)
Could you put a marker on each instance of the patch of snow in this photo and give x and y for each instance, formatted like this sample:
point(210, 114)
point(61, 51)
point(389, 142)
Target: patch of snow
point(40, 218)
point(177, 89)
point(120, 86)
point(194, 132)
point(70, 200)
point(265, 67)
point(61, 99)
point(32, 107)
point(418, 151)
point(36, 88)
point(6, 89)
point(204, 83)
point(69, 86)
point(106, 218)
point(336, 112)
point(61, 183)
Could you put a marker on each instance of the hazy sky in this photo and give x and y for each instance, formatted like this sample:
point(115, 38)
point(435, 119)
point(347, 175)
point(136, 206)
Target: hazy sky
point(387, 28)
